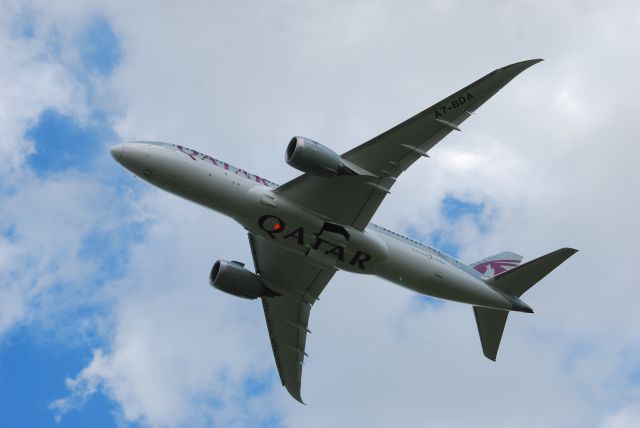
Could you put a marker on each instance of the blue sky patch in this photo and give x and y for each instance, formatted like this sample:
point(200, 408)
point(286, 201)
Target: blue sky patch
point(62, 143)
point(258, 385)
point(8, 233)
point(436, 239)
point(111, 248)
point(261, 385)
point(634, 376)
point(32, 375)
point(35, 359)
point(426, 301)
point(454, 208)
point(24, 24)
point(439, 240)
point(101, 48)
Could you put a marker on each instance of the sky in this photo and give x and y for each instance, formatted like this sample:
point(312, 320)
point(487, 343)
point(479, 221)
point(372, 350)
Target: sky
point(106, 315)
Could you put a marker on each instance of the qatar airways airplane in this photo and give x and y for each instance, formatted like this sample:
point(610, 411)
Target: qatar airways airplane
point(302, 232)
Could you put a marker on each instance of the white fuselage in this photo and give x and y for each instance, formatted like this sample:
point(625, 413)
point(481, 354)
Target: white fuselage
point(252, 202)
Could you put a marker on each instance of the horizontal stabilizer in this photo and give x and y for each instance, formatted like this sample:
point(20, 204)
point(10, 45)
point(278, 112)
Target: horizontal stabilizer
point(518, 280)
point(490, 327)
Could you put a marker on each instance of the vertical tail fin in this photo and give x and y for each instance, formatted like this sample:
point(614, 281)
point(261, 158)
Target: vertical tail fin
point(514, 281)
point(496, 264)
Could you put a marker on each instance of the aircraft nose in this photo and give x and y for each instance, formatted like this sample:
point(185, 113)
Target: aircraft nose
point(117, 151)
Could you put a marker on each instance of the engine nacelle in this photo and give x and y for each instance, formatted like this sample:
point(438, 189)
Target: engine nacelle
point(308, 156)
point(233, 278)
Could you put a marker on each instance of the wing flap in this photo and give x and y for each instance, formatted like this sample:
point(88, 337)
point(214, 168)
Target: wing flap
point(287, 342)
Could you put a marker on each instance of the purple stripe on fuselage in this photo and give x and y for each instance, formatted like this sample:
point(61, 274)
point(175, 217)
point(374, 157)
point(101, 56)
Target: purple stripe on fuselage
point(197, 156)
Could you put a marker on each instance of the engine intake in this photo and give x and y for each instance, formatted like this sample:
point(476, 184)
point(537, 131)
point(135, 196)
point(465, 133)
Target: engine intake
point(309, 156)
point(233, 278)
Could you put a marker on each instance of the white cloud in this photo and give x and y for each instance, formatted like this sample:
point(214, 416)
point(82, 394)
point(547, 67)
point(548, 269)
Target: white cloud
point(48, 266)
point(82, 386)
point(31, 81)
point(627, 417)
point(180, 353)
point(43, 221)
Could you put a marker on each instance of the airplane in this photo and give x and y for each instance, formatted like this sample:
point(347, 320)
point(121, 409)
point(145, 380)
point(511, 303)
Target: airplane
point(302, 232)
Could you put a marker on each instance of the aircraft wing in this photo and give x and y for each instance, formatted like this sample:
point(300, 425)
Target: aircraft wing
point(299, 283)
point(353, 199)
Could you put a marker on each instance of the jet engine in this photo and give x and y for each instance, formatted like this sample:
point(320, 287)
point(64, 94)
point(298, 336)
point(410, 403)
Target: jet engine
point(233, 278)
point(308, 156)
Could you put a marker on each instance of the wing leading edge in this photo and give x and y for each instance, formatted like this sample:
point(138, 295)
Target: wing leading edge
point(353, 200)
point(299, 284)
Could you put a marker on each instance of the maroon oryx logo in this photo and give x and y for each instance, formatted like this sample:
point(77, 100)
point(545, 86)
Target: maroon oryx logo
point(495, 266)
